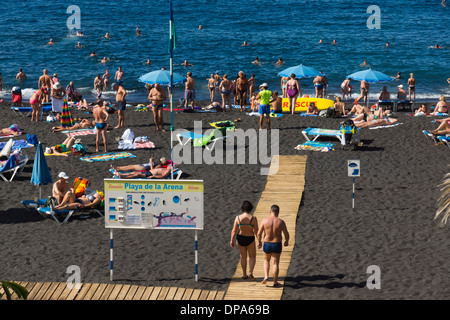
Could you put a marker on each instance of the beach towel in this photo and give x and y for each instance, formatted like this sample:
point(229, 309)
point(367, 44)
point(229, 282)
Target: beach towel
point(12, 135)
point(275, 115)
point(80, 132)
point(18, 144)
point(304, 114)
point(108, 156)
point(57, 154)
point(388, 126)
point(316, 146)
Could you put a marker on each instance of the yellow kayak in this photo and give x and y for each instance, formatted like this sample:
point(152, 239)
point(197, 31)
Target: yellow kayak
point(303, 103)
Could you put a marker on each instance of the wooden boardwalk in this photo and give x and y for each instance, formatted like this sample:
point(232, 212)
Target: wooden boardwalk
point(284, 188)
point(103, 291)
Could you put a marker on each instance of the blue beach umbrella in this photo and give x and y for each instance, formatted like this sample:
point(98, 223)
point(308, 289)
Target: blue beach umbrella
point(162, 77)
point(300, 71)
point(41, 173)
point(370, 76)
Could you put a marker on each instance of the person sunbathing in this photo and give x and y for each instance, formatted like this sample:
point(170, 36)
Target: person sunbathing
point(441, 106)
point(372, 120)
point(71, 202)
point(83, 124)
point(12, 130)
point(63, 148)
point(312, 109)
point(443, 128)
point(358, 109)
point(423, 110)
point(155, 173)
point(162, 163)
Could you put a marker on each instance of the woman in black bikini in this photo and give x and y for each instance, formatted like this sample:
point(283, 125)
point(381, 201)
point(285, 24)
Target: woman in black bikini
point(244, 229)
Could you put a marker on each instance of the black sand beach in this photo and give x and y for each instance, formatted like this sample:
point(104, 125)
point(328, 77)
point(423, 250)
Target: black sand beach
point(392, 226)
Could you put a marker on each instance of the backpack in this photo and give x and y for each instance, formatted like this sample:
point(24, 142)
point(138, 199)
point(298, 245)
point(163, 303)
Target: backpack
point(348, 127)
point(78, 149)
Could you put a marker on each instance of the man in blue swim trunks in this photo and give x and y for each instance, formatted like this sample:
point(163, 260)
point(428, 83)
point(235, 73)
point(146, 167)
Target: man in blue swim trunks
point(273, 228)
point(265, 97)
point(100, 117)
point(189, 92)
point(121, 103)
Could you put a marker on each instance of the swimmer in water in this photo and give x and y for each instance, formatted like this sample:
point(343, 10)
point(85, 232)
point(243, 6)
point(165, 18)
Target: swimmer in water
point(387, 45)
point(320, 41)
point(187, 64)
point(148, 62)
point(334, 42)
point(93, 54)
point(279, 62)
point(79, 34)
point(138, 31)
point(50, 43)
point(364, 64)
point(200, 27)
point(256, 61)
point(106, 36)
point(79, 45)
point(105, 60)
point(437, 46)
point(245, 44)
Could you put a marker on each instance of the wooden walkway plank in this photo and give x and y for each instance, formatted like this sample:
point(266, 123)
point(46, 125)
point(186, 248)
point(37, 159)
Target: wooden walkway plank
point(147, 293)
point(123, 292)
point(131, 292)
point(115, 292)
point(196, 294)
point(284, 187)
point(50, 291)
point(179, 294)
point(163, 293)
point(83, 291)
point(155, 293)
point(139, 292)
point(171, 293)
point(99, 291)
point(187, 294)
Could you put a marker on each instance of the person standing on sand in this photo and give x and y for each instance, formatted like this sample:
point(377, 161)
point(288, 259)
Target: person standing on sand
point(365, 86)
point(241, 88)
point(265, 97)
point(273, 228)
point(251, 85)
point(121, 104)
point(45, 81)
point(100, 117)
point(412, 86)
point(189, 91)
point(157, 95)
point(293, 90)
point(218, 78)
point(225, 88)
point(211, 87)
point(243, 235)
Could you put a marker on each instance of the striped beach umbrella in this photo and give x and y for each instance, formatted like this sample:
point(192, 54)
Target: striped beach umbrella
point(66, 115)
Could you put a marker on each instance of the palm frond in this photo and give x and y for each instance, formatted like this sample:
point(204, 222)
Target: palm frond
point(21, 291)
point(444, 201)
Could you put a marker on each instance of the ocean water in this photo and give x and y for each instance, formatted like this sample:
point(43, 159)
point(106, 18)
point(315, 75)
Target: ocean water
point(289, 29)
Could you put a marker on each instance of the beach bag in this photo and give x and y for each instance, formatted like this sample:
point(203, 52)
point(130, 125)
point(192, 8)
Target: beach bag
point(348, 127)
point(78, 149)
point(51, 118)
point(32, 139)
point(331, 112)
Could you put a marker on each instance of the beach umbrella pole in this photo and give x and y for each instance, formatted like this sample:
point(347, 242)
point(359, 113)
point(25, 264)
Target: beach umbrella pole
point(171, 88)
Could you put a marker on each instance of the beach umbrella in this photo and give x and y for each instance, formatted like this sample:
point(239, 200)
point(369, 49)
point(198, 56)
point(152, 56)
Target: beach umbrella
point(66, 115)
point(300, 71)
point(41, 173)
point(162, 77)
point(370, 76)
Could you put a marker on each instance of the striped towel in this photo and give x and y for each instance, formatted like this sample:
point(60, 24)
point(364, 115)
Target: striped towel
point(83, 132)
point(108, 156)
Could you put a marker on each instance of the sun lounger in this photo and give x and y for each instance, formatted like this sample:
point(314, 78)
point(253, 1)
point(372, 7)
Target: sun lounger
point(386, 103)
point(11, 167)
point(403, 104)
point(176, 174)
point(317, 132)
point(26, 111)
point(445, 139)
point(185, 137)
point(47, 212)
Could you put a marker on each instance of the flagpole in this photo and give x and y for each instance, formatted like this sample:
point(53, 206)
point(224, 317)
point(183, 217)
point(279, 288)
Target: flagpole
point(171, 87)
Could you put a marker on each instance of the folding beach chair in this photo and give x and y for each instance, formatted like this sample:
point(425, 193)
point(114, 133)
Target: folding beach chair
point(317, 132)
point(387, 104)
point(13, 168)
